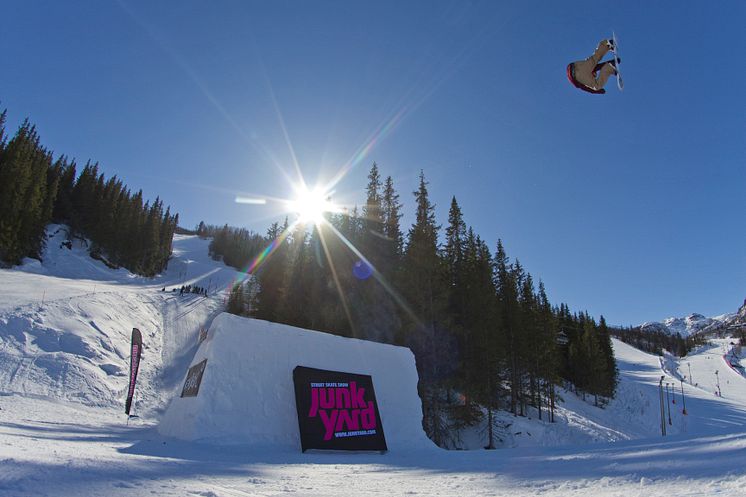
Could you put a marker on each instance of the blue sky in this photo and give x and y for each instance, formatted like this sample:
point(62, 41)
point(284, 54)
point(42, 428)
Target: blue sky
point(628, 204)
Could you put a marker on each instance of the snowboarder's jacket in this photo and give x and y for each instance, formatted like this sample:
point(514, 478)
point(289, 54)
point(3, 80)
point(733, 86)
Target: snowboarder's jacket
point(578, 84)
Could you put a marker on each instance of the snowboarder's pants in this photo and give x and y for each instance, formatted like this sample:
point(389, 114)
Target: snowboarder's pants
point(584, 68)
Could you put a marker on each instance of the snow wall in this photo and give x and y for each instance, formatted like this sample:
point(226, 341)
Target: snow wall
point(247, 394)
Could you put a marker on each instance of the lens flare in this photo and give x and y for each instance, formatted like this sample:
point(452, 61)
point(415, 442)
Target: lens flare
point(311, 205)
point(262, 257)
point(362, 270)
point(250, 200)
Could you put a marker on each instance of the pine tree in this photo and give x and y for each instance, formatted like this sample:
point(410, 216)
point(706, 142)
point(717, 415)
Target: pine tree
point(35, 191)
point(454, 257)
point(391, 229)
point(235, 301)
point(372, 309)
point(373, 221)
point(297, 287)
point(426, 291)
point(528, 340)
point(486, 366)
point(134, 225)
point(271, 275)
point(241, 299)
point(54, 176)
point(24, 200)
point(478, 375)
point(63, 207)
point(3, 117)
point(459, 259)
point(83, 199)
point(596, 364)
point(508, 318)
point(202, 230)
point(319, 296)
point(610, 372)
point(547, 349)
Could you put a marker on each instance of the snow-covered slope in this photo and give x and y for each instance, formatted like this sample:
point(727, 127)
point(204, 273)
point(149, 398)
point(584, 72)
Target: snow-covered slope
point(690, 325)
point(634, 413)
point(64, 345)
point(65, 326)
point(697, 323)
point(53, 448)
point(65, 323)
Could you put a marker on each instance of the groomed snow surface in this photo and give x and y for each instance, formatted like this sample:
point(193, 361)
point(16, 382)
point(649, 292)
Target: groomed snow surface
point(64, 346)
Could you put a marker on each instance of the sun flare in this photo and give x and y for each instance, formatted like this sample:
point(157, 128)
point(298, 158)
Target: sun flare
point(311, 205)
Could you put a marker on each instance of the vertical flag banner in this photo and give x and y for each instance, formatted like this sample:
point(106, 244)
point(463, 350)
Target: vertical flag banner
point(134, 366)
point(337, 411)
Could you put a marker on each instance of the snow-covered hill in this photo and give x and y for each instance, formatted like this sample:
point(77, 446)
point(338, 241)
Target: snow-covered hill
point(65, 323)
point(634, 413)
point(696, 323)
point(56, 448)
point(64, 345)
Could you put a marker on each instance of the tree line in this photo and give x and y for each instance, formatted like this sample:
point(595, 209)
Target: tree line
point(235, 246)
point(656, 341)
point(484, 334)
point(36, 189)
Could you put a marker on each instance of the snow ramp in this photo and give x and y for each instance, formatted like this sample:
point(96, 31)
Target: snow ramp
point(247, 394)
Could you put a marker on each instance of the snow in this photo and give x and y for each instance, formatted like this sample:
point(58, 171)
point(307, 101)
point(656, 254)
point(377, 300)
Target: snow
point(49, 448)
point(634, 413)
point(66, 323)
point(247, 394)
point(64, 344)
point(691, 324)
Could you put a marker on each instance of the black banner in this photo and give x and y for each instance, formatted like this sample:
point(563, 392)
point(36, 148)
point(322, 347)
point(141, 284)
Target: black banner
point(193, 380)
point(135, 353)
point(337, 411)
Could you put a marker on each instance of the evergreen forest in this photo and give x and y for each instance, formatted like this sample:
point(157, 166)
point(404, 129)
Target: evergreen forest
point(484, 333)
point(36, 190)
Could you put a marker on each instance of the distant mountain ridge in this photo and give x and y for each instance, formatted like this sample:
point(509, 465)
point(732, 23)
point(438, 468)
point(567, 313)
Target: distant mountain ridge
point(696, 323)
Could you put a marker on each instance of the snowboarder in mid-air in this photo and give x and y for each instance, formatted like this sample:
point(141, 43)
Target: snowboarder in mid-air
point(591, 74)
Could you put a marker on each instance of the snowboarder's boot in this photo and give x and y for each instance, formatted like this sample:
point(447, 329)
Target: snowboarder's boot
point(601, 64)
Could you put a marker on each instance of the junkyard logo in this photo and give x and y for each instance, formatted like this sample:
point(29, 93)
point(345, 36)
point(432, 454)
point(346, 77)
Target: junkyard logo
point(337, 411)
point(343, 410)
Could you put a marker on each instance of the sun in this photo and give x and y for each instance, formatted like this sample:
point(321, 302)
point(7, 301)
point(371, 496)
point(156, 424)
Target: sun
point(311, 205)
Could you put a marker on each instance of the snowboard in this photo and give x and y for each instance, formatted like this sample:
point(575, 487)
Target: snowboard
point(615, 53)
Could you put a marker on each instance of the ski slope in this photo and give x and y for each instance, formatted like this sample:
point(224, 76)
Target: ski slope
point(65, 324)
point(634, 413)
point(66, 449)
point(64, 346)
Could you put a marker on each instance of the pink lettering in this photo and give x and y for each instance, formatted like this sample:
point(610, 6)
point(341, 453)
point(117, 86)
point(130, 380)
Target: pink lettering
point(358, 400)
point(343, 398)
point(342, 409)
point(326, 399)
point(369, 417)
point(328, 422)
point(344, 421)
point(314, 403)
